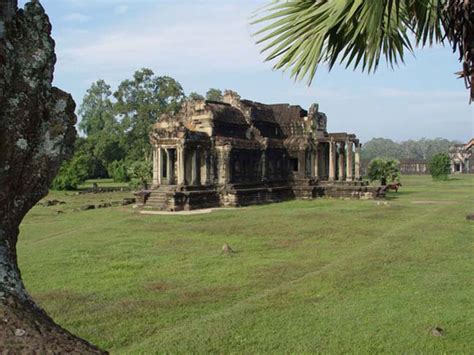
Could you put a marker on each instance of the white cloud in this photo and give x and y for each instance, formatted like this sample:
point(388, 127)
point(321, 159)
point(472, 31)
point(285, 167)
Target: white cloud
point(77, 17)
point(214, 39)
point(119, 10)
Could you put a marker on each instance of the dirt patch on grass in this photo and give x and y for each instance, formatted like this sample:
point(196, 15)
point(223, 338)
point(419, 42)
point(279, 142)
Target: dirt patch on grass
point(432, 202)
point(285, 243)
point(200, 296)
point(159, 286)
point(275, 273)
point(64, 296)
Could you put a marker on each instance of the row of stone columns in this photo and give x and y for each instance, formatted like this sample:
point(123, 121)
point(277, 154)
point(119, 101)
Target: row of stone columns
point(348, 162)
point(163, 165)
point(192, 166)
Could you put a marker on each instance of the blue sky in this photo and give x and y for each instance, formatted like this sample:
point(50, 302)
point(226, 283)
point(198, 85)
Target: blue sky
point(208, 43)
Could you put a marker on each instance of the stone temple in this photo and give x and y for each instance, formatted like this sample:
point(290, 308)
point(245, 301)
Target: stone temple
point(239, 152)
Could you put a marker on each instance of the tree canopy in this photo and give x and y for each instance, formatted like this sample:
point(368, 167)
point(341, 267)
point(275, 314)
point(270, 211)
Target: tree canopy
point(214, 95)
point(422, 149)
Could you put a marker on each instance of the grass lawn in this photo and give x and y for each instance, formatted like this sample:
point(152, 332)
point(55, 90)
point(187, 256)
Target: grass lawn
point(326, 275)
point(102, 183)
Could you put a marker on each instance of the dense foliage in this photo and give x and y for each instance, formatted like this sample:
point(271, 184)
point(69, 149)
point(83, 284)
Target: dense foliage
point(384, 170)
point(72, 174)
point(440, 166)
point(116, 126)
point(141, 171)
point(422, 149)
point(214, 95)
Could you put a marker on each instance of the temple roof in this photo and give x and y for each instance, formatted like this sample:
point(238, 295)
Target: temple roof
point(225, 113)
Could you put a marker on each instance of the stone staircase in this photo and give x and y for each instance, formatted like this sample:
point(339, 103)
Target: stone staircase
point(159, 198)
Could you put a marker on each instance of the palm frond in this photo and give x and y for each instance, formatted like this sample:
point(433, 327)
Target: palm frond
point(303, 34)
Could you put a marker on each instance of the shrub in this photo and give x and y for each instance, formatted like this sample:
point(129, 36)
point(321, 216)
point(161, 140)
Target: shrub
point(118, 171)
point(440, 166)
point(384, 170)
point(142, 171)
point(72, 174)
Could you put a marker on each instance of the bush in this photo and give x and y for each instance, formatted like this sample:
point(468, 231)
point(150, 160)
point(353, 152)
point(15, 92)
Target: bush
point(72, 174)
point(118, 171)
point(142, 171)
point(384, 170)
point(440, 166)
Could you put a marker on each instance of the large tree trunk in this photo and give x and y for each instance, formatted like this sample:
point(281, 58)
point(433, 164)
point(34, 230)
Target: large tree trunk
point(36, 134)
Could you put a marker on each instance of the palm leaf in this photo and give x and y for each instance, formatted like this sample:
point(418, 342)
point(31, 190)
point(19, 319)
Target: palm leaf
point(302, 34)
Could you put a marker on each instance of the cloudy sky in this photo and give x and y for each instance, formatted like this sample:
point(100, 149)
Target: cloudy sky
point(209, 43)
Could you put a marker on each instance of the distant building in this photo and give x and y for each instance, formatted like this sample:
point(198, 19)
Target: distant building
point(462, 158)
point(407, 167)
point(414, 167)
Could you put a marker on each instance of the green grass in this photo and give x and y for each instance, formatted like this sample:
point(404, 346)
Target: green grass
point(308, 276)
point(102, 183)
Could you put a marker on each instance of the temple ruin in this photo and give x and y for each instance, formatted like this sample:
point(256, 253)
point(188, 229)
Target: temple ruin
point(462, 158)
point(239, 152)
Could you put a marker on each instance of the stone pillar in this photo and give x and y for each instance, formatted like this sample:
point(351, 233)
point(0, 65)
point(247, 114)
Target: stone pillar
point(342, 165)
point(170, 166)
point(181, 166)
point(204, 164)
point(155, 166)
point(316, 162)
point(302, 164)
point(332, 161)
point(349, 161)
point(324, 161)
point(195, 168)
point(357, 162)
point(223, 164)
point(160, 172)
point(263, 163)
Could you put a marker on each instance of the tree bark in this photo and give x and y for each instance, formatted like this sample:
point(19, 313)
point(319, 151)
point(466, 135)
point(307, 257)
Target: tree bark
point(36, 134)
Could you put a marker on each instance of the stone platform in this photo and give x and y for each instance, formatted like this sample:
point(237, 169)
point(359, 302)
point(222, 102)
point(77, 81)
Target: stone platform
point(173, 198)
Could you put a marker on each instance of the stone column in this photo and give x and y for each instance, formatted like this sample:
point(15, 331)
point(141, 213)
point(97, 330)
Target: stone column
point(332, 161)
point(349, 161)
point(194, 168)
point(316, 162)
point(342, 164)
point(263, 163)
point(323, 161)
point(223, 164)
point(357, 162)
point(302, 164)
point(160, 172)
point(170, 166)
point(204, 164)
point(181, 166)
point(155, 166)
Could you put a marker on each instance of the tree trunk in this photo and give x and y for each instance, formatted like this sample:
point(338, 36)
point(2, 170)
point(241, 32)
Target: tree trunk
point(36, 134)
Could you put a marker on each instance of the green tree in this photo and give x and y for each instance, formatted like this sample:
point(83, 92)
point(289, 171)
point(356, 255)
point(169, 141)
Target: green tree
point(214, 95)
point(118, 170)
point(302, 34)
point(194, 96)
point(381, 147)
point(140, 102)
point(96, 110)
point(440, 166)
point(384, 170)
point(142, 171)
point(105, 136)
point(72, 174)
